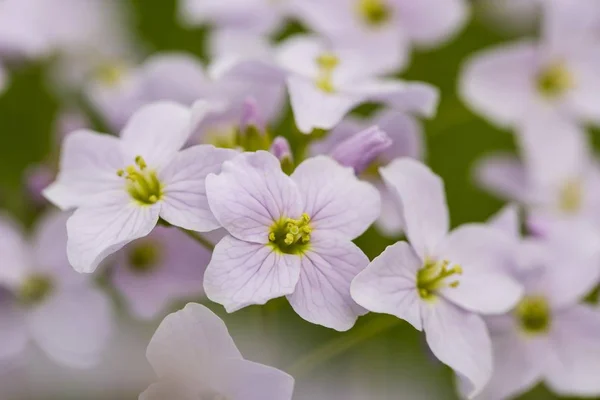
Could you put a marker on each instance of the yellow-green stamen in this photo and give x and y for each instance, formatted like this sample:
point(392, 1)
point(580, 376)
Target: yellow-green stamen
point(374, 12)
point(110, 74)
point(144, 257)
point(35, 290)
point(142, 183)
point(554, 81)
point(433, 276)
point(533, 314)
point(291, 236)
point(327, 63)
point(571, 196)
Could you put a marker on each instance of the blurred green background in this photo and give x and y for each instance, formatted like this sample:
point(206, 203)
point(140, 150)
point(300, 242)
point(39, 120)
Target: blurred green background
point(455, 139)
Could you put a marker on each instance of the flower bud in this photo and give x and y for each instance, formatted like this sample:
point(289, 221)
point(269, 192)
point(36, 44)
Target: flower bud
point(281, 149)
point(361, 149)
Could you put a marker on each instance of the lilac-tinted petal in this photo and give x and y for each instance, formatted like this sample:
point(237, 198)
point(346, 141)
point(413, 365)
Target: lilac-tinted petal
point(188, 343)
point(584, 99)
point(361, 149)
point(334, 198)
point(390, 222)
point(16, 261)
point(251, 381)
point(73, 326)
point(96, 232)
point(507, 221)
point(421, 196)
point(185, 203)
point(177, 272)
point(428, 28)
point(499, 83)
point(251, 194)
point(168, 390)
point(405, 132)
point(412, 97)
point(503, 175)
point(517, 366)
point(315, 108)
point(388, 284)
point(572, 368)
point(13, 330)
point(50, 250)
point(484, 254)
point(88, 166)
point(156, 132)
point(322, 295)
point(242, 273)
point(460, 340)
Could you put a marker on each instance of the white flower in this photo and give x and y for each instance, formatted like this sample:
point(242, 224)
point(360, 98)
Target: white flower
point(121, 187)
point(195, 358)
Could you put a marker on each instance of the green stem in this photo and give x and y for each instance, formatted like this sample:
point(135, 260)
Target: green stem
point(340, 345)
point(199, 238)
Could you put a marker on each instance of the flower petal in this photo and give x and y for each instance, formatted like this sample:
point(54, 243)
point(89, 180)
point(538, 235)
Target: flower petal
point(88, 166)
point(334, 198)
point(242, 273)
point(507, 221)
point(572, 368)
point(168, 390)
point(499, 83)
point(485, 255)
point(73, 326)
point(251, 194)
point(584, 98)
point(315, 108)
point(188, 343)
point(388, 284)
point(322, 295)
point(13, 330)
point(503, 175)
point(251, 381)
point(405, 132)
point(185, 203)
point(390, 222)
point(421, 196)
point(156, 132)
point(96, 232)
point(460, 340)
point(16, 263)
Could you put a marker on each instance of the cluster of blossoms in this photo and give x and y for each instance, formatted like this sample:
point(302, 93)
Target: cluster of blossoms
point(198, 196)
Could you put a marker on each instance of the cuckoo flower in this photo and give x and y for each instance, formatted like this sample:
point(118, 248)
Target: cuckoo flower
point(289, 236)
point(195, 358)
point(153, 272)
point(548, 336)
point(521, 83)
point(407, 141)
point(122, 186)
point(45, 302)
point(441, 281)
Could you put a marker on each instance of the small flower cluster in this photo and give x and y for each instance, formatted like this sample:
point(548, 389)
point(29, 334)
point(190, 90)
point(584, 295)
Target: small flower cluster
point(200, 196)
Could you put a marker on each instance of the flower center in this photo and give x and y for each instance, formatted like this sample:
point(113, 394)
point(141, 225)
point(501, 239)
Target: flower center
point(35, 290)
point(327, 63)
point(142, 183)
point(433, 276)
point(571, 196)
point(533, 314)
point(110, 74)
point(144, 257)
point(554, 81)
point(291, 236)
point(374, 12)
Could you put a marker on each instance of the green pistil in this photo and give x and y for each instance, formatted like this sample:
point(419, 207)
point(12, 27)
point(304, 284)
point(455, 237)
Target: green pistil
point(327, 63)
point(35, 290)
point(291, 236)
point(554, 81)
point(433, 277)
point(571, 197)
point(533, 314)
point(374, 12)
point(142, 183)
point(144, 257)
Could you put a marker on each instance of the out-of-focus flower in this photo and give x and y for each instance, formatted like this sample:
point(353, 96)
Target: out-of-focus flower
point(154, 271)
point(361, 149)
point(289, 236)
point(511, 16)
point(121, 187)
point(45, 301)
point(407, 141)
point(258, 16)
point(548, 336)
point(441, 281)
point(522, 83)
point(195, 357)
point(390, 25)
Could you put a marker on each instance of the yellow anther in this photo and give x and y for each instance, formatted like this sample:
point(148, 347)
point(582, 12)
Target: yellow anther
point(153, 198)
point(139, 160)
point(305, 238)
point(294, 230)
point(306, 229)
point(458, 269)
point(374, 12)
point(571, 196)
point(289, 239)
point(434, 276)
point(142, 184)
point(327, 63)
point(272, 236)
point(555, 80)
point(120, 172)
point(454, 284)
point(305, 218)
point(291, 236)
